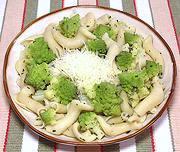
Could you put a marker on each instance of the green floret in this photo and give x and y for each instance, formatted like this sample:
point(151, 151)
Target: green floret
point(48, 116)
point(62, 89)
point(152, 69)
point(124, 60)
point(107, 99)
point(70, 26)
point(88, 121)
point(39, 52)
point(131, 80)
point(102, 29)
point(97, 45)
point(38, 76)
point(131, 38)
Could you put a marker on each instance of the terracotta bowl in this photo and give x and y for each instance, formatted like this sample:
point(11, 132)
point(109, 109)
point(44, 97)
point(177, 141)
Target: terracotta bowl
point(37, 27)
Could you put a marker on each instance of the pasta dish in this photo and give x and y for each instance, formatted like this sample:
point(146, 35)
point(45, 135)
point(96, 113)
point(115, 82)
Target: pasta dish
point(89, 78)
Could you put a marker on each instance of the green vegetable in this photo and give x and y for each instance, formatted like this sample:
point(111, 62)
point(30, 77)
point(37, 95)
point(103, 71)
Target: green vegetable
point(88, 121)
point(38, 76)
point(97, 45)
point(102, 29)
point(48, 116)
point(107, 99)
point(152, 69)
point(39, 52)
point(70, 26)
point(131, 38)
point(124, 60)
point(131, 80)
point(62, 89)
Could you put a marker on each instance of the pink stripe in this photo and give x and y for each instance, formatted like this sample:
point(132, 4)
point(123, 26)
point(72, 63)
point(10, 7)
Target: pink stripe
point(135, 8)
point(152, 139)
point(7, 131)
point(12, 25)
point(164, 25)
point(87, 2)
point(172, 19)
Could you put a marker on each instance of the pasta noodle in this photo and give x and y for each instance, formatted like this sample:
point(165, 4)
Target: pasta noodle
point(54, 46)
point(105, 19)
point(24, 98)
point(113, 130)
point(115, 120)
point(125, 107)
point(153, 99)
point(155, 54)
point(73, 112)
point(72, 43)
point(88, 21)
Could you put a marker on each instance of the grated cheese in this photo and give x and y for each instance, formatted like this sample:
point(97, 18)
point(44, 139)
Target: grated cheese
point(84, 68)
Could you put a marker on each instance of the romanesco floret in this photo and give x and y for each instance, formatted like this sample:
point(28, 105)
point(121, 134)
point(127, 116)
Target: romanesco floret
point(107, 99)
point(38, 76)
point(152, 69)
point(62, 89)
point(102, 29)
point(39, 52)
point(131, 80)
point(48, 116)
point(70, 26)
point(132, 38)
point(98, 46)
point(124, 60)
point(88, 121)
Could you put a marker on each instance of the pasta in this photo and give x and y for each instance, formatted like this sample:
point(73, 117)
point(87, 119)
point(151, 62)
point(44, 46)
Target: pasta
point(89, 78)
point(24, 98)
point(89, 21)
point(72, 114)
point(113, 130)
point(156, 55)
point(51, 42)
point(155, 98)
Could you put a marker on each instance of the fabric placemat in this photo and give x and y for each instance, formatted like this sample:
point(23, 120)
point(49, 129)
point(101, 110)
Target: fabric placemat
point(163, 15)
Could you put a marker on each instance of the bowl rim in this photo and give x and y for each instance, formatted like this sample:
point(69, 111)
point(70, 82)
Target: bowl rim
point(77, 143)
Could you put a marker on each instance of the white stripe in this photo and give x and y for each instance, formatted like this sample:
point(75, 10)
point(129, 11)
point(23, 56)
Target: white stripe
point(65, 148)
point(30, 141)
point(68, 3)
point(144, 11)
point(2, 11)
point(116, 5)
point(43, 7)
point(162, 135)
point(128, 146)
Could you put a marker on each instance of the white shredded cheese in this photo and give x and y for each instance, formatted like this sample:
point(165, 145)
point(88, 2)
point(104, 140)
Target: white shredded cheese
point(84, 68)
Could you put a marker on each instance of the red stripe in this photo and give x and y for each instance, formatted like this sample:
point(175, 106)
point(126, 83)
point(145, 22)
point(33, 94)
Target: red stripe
point(7, 131)
point(97, 3)
point(62, 3)
point(135, 8)
point(55, 147)
point(24, 14)
point(9, 113)
point(174, 27)
point(152, 139)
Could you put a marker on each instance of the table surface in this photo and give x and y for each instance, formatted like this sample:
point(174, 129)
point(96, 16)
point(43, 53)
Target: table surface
point(163, 15)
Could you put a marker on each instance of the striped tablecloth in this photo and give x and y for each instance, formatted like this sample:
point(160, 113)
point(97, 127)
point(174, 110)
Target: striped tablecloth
point(163, 15)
